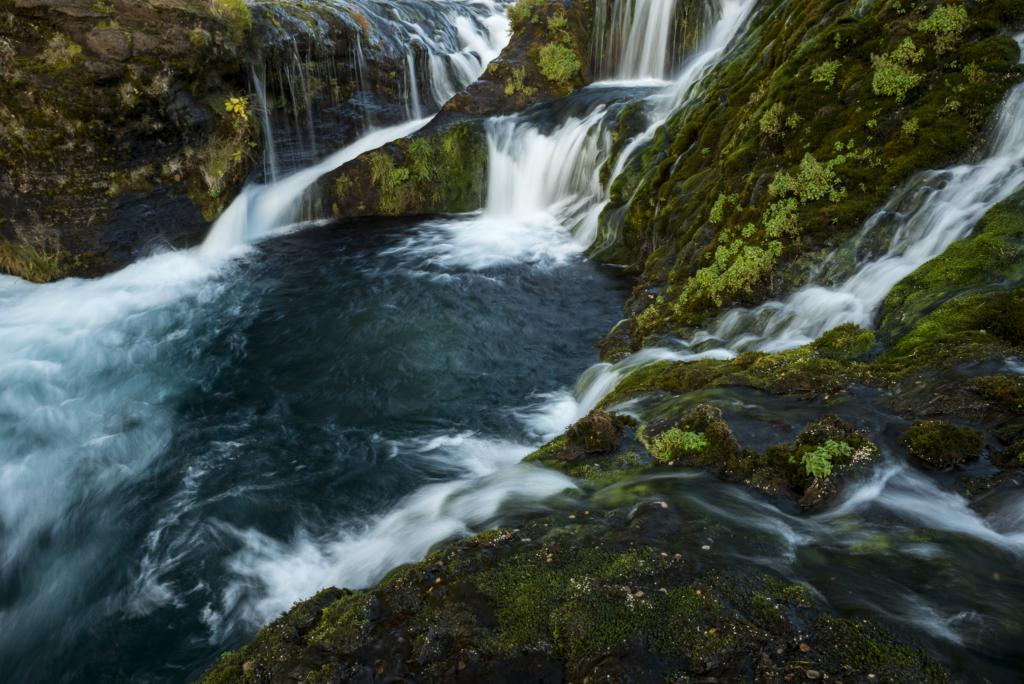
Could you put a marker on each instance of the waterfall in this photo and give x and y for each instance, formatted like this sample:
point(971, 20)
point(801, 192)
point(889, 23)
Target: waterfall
point(557, 172)
point(647, 39)
point(263, 210)
point(945, 206)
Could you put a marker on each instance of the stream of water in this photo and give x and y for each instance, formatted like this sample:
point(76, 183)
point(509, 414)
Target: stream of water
point(191, 444)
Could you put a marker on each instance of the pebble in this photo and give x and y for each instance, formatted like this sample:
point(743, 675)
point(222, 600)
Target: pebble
point(706, 547)
point(813, 674)
point(804, 648)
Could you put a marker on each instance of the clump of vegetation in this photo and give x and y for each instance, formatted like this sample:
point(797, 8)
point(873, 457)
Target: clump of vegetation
point(395, 196)
point(771, 121)
point(515, 83)
point(522, 10)
point(8, 63)
point(942, 444)
point(1005, 390)
point(674, 442)
point(24, 261)
point(558, 63)
point(910, 127)
point(947, 22)
point(826, 72)
point(845, 341)
point(593, 434)
point(236, 15)
point(818, 462)
point(893, 75)
point(60, 51)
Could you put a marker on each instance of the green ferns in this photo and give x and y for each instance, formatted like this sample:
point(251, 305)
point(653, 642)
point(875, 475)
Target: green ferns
point(818, 463)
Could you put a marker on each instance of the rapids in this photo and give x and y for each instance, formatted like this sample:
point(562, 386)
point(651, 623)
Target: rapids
point(191, 444)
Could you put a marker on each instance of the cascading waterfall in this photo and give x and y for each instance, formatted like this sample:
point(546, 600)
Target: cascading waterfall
point(944, 207)
point(262, 210)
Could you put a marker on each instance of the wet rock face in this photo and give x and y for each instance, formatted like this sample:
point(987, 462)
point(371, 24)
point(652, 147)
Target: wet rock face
point(628, 596)
point(114, 111)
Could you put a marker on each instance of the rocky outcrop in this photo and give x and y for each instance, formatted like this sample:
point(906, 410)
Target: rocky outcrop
point(547, 57)
point(113, 128)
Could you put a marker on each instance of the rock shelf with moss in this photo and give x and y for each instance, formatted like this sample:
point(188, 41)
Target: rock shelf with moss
point(561, 601)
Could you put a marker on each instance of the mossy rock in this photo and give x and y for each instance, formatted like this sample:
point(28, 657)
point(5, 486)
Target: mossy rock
point(1005, 390)
point(846, 341)
point(1011, 457)
point(941, 444)
point(585, 602)
point(593, 434)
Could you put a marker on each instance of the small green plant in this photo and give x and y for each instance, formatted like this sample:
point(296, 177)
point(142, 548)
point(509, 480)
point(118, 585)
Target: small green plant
point(558, 63)
point(674, 442)
point(793, 120)
point(910, 127)
point(395, 194)
point(898, 7)
point(974, 73)
point(825, 72)
point(515, 83)
point(719, 207)
point(872, 123)
point(238, 107)
point(818, 463)
point(771, 121)
point(61, 51)
point(522, 9)
point(893, 75)
point(421, 154)
point(947, 23)
point(236, 15)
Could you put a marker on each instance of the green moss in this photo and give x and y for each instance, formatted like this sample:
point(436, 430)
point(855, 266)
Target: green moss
point(1005, 390)
point(848, 340)
point(942, 444)
point(868, 647)
point(236, 15)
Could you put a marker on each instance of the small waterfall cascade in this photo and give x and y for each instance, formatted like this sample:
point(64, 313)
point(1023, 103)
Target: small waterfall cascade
point(558, 172)
point(532, 173)
point(476, 33)
point(944, 206)
point(647, 39)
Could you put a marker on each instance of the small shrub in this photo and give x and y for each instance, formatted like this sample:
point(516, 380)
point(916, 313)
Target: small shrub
point(974, 73)
point(947, 22)
point(558, 63)
point(522, 9)
point(671, 443)
point(818, 463)
point(825, 72)
point(771, 121)
point(910, 126)
point(236, 15)
point(893, 75)
point(793, 120)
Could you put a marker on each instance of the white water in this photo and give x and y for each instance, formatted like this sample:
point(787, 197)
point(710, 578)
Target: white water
point(260, 211)
point(944, 208)
point(493, 484)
